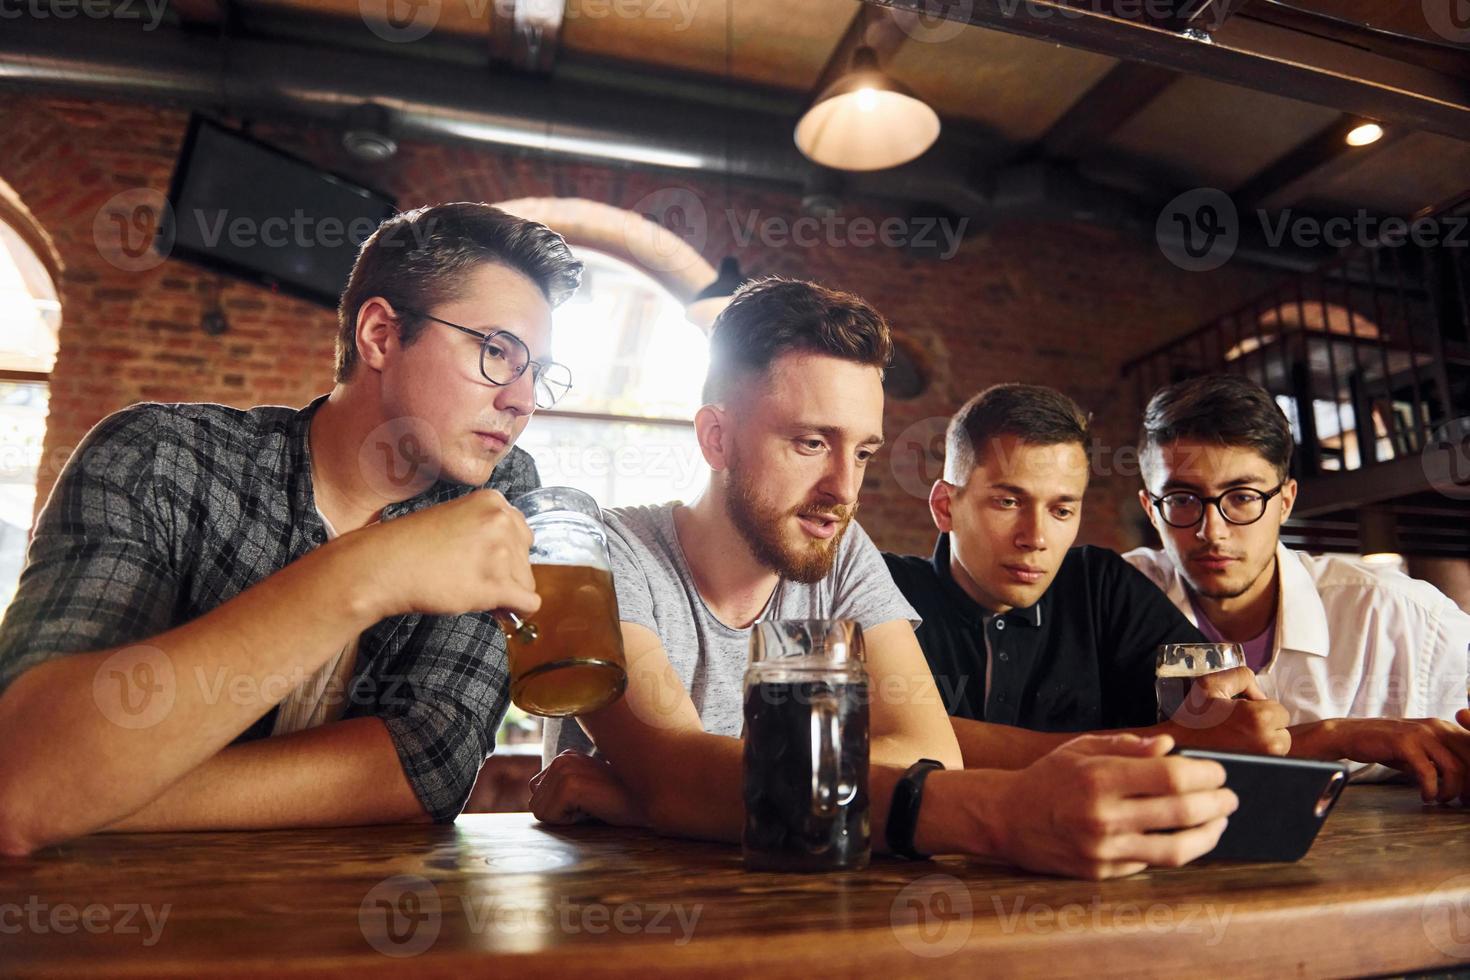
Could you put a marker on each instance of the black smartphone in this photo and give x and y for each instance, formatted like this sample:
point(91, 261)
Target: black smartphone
point(1283, 803)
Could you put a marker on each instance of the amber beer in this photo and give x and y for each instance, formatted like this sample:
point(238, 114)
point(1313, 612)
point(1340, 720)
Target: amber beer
point(575, 663)
point(568, 658)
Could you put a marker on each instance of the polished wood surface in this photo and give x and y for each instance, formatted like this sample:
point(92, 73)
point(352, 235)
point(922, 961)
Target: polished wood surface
point(1385, 889)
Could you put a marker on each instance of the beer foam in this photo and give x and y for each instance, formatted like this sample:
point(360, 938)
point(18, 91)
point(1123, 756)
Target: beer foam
point(1180, 670)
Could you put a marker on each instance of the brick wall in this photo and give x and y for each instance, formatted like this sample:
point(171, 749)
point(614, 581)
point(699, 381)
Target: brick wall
point(1045, 303)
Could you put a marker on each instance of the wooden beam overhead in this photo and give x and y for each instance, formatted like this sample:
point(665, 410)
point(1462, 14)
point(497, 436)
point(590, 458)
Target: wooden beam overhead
point(1244, 51)
point(1126, 90)
point(1316, 160)
point(881, 28)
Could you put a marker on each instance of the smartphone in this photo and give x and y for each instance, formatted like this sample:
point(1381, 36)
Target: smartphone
point(1283, 803)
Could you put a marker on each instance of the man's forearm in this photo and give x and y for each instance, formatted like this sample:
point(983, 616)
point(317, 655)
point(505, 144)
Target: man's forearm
point(1318, 740)
point(986, 745)
point(697, 791)
point(341, 774)
point(86, 744)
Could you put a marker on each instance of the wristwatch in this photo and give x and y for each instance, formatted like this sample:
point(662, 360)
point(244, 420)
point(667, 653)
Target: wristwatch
point(903, 812)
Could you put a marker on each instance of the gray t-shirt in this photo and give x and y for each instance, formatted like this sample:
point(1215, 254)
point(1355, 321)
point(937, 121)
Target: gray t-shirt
point(655, 590)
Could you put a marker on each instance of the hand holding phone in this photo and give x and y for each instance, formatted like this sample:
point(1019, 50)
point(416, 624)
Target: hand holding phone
point(1283, 804)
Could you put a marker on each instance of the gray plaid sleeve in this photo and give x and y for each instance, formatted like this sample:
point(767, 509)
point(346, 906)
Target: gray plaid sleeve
point(98, 573)
point(453, 689)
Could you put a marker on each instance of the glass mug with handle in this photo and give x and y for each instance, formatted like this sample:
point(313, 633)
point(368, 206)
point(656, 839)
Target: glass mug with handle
point(1178, 664)
point(568, 658)
point(806, 747)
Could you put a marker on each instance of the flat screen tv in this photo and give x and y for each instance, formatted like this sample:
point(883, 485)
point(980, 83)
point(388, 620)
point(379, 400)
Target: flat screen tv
point(240, 206)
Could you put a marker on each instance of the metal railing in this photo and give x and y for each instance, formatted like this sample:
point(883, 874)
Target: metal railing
point(1367, 355)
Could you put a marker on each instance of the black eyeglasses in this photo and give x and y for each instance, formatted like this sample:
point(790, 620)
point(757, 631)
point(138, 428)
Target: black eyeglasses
point(1182, 508)
point(504, 357)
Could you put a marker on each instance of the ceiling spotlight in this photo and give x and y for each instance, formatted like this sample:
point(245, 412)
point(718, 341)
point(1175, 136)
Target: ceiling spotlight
point(1364, 134)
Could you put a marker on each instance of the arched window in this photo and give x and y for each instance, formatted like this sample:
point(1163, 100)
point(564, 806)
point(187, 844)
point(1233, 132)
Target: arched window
point(30, 316)
point(625, 432)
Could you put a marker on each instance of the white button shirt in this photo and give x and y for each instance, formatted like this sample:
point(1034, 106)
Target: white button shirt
point(1352, 641)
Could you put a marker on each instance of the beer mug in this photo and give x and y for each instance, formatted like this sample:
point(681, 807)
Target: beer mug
point(806, 747)
point(568, 658)
point(1178, 664)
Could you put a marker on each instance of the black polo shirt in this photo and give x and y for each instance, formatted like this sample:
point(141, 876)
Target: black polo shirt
point(1080, 659)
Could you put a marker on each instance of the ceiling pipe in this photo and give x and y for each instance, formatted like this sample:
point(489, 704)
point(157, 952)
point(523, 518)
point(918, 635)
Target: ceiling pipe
point(675, 123)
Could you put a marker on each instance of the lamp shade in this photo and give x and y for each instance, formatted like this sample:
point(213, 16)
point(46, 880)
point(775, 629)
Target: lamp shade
point(866, 121)
point(713, 299)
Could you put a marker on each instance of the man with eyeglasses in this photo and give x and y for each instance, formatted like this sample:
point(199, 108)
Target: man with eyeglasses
point(278, 617)
point(1370, 663)
point(793, 418)
point(1030, 639)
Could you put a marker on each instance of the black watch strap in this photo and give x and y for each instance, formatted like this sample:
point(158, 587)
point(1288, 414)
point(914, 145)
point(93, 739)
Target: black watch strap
point(903, 813)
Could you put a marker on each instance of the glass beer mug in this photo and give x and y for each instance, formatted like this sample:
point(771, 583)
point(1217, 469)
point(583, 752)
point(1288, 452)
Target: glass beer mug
point(1178, 664)
point(568, 658)
point(806, 747)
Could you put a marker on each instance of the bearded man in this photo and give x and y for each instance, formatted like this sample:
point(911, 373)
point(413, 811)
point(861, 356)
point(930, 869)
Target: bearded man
point(793, 415)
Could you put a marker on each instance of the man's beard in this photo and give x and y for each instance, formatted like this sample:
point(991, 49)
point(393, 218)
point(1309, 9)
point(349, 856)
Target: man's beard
point(1235, 592)
point(762, 528)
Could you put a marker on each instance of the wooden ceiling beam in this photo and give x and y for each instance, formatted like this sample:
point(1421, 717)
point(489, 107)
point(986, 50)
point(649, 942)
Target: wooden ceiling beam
point(1314, 161)
point(1245, 51)
point(1126, 90)
point(883, 29)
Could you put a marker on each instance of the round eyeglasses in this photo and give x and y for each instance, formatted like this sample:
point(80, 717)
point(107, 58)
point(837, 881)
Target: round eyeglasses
point(504, 357)
point(1184, 508)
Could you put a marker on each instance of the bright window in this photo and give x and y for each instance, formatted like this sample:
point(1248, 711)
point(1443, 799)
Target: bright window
point(625, 431)
point(29, 318)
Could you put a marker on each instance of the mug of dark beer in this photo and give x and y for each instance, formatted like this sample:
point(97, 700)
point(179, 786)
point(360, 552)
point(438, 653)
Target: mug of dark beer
point(806, 747)
point(1178, 664)
point(568, 658)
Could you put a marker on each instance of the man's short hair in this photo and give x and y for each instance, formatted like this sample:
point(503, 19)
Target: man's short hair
point(419, 259)
point(1035, 414)
point(1225, 409)
point(771, 317)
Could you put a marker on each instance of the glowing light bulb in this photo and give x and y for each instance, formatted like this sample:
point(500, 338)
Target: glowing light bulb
point(1365, 134)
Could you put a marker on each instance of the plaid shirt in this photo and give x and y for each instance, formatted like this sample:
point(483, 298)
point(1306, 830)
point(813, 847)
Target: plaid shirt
point(167, 511)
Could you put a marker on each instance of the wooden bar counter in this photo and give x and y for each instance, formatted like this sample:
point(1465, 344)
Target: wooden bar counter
point(1386, 889)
